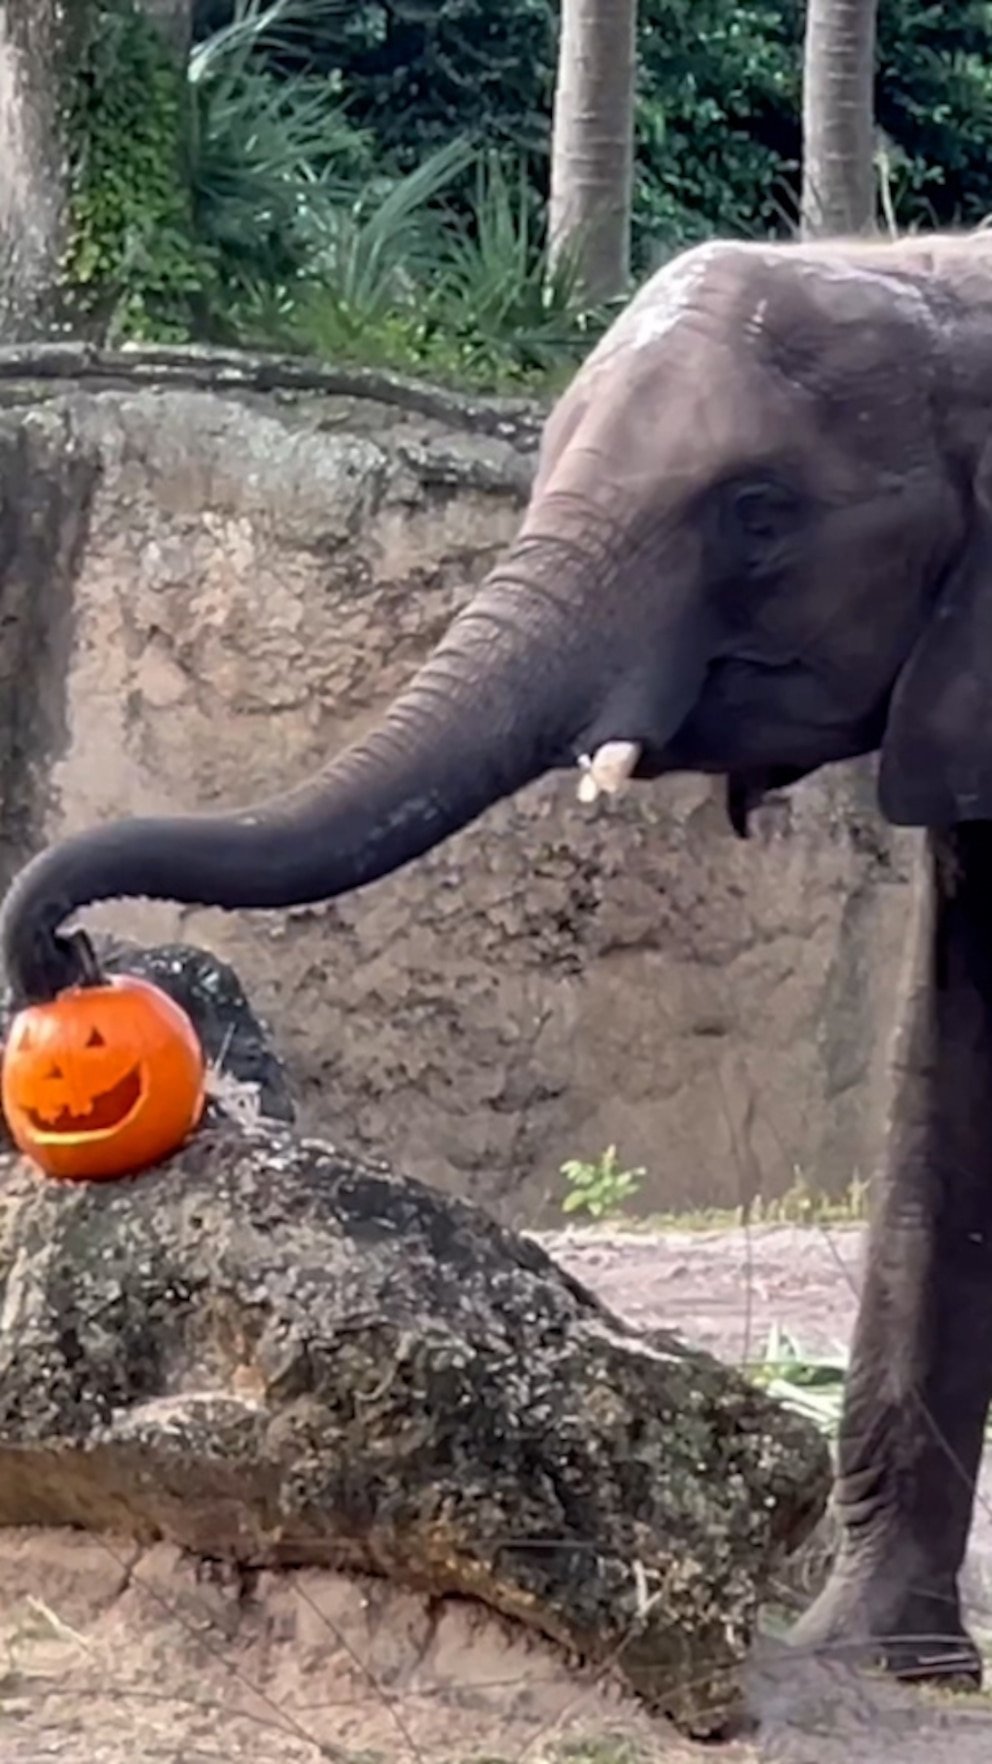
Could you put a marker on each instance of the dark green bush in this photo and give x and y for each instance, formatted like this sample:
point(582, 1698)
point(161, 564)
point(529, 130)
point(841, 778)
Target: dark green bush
point(310, 182)
point(718, 138)
point(134, 266)
point(934, 99)
point(718, 104)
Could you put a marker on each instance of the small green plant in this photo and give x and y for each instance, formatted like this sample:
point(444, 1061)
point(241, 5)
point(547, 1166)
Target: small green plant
point(811, 1385)
point(601, 1188)
point(804, 1204)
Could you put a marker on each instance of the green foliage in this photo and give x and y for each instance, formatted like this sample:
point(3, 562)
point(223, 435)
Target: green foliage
point(370, 260)
point(242, 203)
point(811, 1385)
point(933, 98)
point(718, 114)
point(134, 264)
point(193, 186)
point(420, 73)
point(599, 1189)
point(496, 302)
point(367, 178)
point(399, 279)
point(462, 294)
point(270, 159)
point(717, 120)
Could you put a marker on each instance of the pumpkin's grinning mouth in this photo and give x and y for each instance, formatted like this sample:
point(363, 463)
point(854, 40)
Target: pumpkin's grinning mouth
point(108, 1110)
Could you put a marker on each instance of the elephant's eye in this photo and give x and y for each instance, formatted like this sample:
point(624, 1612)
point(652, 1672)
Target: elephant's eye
point(764, 511)
point(758, 523)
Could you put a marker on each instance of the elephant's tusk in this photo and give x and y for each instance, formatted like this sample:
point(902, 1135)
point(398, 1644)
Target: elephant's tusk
point(609, 769)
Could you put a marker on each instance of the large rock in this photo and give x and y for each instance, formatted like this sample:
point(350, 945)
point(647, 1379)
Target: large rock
point(207, 591)
point(273, 1353)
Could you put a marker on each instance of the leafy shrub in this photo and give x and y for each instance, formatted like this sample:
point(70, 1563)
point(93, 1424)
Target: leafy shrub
point(933, 98)
point(402, 281)
point(270, 160)
point(496, 313)
point(360, 292)
point(420, 73)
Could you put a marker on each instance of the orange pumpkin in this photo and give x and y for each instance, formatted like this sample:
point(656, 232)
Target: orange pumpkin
point(103, 1080)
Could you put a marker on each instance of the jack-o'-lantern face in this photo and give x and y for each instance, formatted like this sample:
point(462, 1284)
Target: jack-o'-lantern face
point(103, 1080)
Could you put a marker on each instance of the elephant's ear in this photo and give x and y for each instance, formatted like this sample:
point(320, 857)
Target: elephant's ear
point(937, 750)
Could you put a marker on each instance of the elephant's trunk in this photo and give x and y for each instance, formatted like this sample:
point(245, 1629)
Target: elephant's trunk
point(500, 701)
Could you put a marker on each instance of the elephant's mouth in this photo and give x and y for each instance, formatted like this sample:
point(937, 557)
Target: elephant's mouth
point(107, 1113)
point(746, 791)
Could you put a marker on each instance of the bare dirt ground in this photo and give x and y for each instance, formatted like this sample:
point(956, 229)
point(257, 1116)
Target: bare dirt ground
point(110, 1653)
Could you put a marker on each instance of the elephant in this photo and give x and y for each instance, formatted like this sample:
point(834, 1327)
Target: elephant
point(759, 542)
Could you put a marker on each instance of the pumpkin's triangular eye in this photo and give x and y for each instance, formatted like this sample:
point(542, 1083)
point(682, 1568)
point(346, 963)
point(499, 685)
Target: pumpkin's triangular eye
point(95, 1039)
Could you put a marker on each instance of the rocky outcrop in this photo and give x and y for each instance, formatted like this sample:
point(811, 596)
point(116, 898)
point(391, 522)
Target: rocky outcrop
point(272, 1353)
point(213, 572)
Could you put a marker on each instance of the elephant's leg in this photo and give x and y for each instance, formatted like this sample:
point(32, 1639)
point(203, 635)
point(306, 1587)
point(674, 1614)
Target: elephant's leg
point(921, 1372)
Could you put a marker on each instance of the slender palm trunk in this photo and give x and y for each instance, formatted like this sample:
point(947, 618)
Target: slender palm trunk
point(838, 117)
point(592, 156)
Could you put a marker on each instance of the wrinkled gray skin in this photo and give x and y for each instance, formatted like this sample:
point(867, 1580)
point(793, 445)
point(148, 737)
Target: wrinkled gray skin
point(760, 540)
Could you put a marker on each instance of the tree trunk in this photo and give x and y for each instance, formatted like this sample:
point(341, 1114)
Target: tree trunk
point(33, 171)
point(592, 158)
point(838, 117)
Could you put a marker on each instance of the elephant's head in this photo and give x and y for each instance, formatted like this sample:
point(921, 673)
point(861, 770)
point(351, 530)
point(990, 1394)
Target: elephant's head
point(758, 542)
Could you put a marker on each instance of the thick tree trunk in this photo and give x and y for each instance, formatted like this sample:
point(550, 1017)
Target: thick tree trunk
point(838, 117)
point(33, 175)
point(593, 142)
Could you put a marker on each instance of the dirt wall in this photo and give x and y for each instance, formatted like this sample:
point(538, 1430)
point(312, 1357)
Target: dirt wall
point(204, 595)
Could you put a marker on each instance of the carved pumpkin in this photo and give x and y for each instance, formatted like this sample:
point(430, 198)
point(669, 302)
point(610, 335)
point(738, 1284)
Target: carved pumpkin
point(103, 1080)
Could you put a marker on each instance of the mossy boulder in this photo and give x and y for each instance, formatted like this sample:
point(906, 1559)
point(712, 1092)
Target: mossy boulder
point(274, 1353)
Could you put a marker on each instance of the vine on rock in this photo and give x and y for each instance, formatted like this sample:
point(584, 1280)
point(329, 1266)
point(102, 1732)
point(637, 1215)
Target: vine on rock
point(134, 267)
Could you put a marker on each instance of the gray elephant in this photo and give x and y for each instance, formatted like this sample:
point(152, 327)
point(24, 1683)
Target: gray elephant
point(759, 541)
